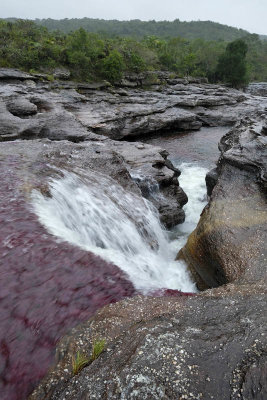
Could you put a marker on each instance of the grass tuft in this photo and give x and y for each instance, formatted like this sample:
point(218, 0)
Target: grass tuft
point(79, 362)
point(98, 347)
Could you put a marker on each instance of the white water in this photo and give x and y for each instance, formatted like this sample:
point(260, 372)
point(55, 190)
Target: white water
point(99, 216)
point(192, 180)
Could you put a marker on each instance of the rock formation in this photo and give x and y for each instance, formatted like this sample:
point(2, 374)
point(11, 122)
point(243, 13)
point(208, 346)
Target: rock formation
point(257, 89)
point(229, 243)
point(206, 346)
point(31, 108)
point(209, 346)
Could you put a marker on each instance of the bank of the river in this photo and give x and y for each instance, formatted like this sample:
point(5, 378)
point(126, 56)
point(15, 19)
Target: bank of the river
point(209, 346)
point(78, 230)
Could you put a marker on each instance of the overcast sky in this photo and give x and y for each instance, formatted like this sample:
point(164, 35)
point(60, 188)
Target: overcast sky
point(247, 14)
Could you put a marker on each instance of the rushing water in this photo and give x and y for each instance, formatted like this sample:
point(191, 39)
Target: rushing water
point(50, 284)
point(100, 216)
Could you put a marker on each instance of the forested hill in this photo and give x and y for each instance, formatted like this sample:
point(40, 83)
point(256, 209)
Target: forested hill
point(190, 30)
point(90, 56)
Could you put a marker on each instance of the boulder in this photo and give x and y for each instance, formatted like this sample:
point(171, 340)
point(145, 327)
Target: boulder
point(228, 244)
point(21, 107)
point(204, 347)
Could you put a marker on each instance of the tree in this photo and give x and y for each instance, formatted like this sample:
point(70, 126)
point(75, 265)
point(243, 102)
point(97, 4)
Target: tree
point(232, 65)
point(112, 66)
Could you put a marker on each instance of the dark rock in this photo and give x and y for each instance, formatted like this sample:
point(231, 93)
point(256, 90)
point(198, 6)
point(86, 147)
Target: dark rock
point(171, 214)
point(201, 347)
point(228, 244)
point(211, 180)
point(83, 87)
point(157, 179)
point(164, 154)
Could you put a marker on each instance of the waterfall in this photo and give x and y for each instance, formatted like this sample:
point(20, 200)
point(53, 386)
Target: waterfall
point(98, 215)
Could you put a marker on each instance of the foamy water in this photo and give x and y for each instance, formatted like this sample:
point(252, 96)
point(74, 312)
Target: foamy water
point(98, 215)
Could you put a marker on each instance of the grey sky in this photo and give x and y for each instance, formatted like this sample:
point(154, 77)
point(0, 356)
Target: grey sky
point(247, 14)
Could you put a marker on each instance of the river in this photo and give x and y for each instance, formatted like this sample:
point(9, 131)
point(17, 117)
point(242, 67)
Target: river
point(51, 288)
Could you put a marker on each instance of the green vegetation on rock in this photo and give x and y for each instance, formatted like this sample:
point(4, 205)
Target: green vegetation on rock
point(98, 348)
point(80, 361)
point(94, 56)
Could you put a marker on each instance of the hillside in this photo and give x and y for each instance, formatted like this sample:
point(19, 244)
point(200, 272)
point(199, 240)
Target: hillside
point(207, 30)
point(90, 56)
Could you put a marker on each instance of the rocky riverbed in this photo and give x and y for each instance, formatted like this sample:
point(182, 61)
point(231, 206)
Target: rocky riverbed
point(59, 136)
point(211, 346)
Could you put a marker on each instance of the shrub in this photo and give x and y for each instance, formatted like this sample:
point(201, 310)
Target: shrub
point(112, 66)
point(232, 65)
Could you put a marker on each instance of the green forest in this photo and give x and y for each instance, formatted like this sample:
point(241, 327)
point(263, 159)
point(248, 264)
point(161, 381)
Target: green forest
point(139, 29)
point(93, 56)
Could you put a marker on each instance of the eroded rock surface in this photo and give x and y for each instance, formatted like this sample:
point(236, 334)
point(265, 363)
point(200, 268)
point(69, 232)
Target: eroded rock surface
point(46, 287)
point(257, 89)
point(204, 347)
point(74, 111)
point(208, 346)
point(229, 243)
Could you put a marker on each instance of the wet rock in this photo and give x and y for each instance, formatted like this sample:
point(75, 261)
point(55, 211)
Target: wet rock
point(228, 244)
point(61, 73)
point(156, 177)
point(41, 272)
point(211, 180)
point(200, 347)
point(46, 286)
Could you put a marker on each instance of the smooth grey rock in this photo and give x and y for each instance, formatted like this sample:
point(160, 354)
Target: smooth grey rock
point(257, 89)
point(14, 74)
point(228, 244)
point(61, 73)
point(119, 114)
point(21, 107)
